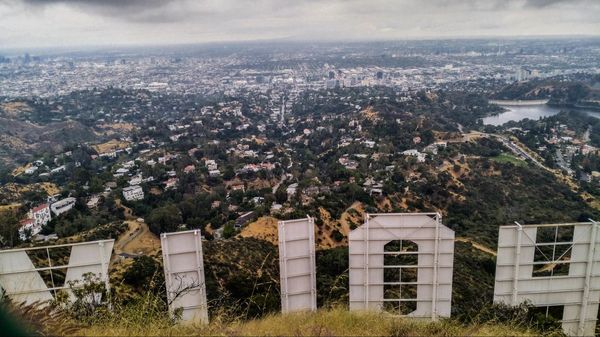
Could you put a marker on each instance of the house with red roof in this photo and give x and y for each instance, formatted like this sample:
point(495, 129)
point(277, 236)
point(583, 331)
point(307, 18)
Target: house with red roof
point(36, 218)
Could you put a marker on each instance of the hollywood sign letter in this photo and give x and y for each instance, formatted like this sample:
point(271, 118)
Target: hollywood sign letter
point(184, 274)
point(402, 263)
point(297, 265)
point(20, 279)
point(554, 267)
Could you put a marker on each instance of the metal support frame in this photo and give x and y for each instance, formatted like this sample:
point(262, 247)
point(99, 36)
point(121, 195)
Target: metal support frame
point(285, 294)
point(435, 267)
point(104, 264)
point(166, 266)
point(51, 273)
point(366, 259)
point(313, 262)
point(297, 248)
point(588, 274)
point(517, 262)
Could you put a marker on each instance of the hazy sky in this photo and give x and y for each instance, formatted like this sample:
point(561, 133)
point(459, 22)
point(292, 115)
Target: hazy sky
point(46, 23)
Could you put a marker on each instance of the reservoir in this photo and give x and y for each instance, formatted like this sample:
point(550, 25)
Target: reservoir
point(534, 112)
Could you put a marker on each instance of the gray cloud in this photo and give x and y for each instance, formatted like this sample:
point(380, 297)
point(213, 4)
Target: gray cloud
point(547, 3)
point(135, 10)
point(32, 22)
point(108, 3)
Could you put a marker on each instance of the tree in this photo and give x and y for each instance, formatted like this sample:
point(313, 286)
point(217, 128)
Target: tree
point(9, 228)
point(337, 236)
point(96, 185)
point(228, 230)
point(164, 219)
point(281, 195)
point(34, 196)
point(144, 272)
point(229, 173)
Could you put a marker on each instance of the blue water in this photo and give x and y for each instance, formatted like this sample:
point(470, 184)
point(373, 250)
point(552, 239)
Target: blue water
point(517, 113)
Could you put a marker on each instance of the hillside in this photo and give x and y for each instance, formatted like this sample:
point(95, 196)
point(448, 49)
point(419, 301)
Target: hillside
point(463, 178)
point(19, 140)
point(583, 93)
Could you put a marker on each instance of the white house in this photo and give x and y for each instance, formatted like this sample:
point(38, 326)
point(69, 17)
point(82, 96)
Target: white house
point(41, 214)
point(211, 165)
point(31, 170)
point(58, 169)
point(369, 143)
point(63, 205)
point(28, 228)
point(133, 193)
point(415, 153)
point(36, 218)
point(171, 183)
point(291, 189)
point(433, 147)
point(93, 202)
point(136, 180)
point(276, 207)
point(122, 170)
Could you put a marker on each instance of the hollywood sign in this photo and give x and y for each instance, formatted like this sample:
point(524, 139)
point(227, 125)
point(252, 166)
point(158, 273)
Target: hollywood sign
point(556, 267)
point(24, 282)
point(297, 268)
point(184, 274)
point(401, 263)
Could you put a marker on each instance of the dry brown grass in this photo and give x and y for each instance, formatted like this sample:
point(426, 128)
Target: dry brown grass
point(110, 146)
point(370, 113)
point(137, 240)
point(50, 188)
point(118, 126)
point(20, 170)
point(9, 207)
point(591, 200)
point(264, 228)
point(15, 109)
point(324, 232)
point(334, 322)
point(477, 246)
point(14, 191)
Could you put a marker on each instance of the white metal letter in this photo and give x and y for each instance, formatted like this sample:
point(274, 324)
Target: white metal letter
point(184, 274)
point(297, 265)
point(554, 272)
point(420, 236)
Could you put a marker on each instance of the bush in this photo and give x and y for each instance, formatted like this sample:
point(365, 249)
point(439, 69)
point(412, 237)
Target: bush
point(337, 236)
point(164, 219)
point(523, 315)
point(90, 298)
point(147, 273)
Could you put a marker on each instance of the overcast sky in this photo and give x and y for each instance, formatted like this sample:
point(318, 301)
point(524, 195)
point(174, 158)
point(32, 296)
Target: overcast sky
point(48, 23)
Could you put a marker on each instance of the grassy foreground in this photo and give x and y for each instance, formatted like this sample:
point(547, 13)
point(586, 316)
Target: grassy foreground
point(331, 322)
